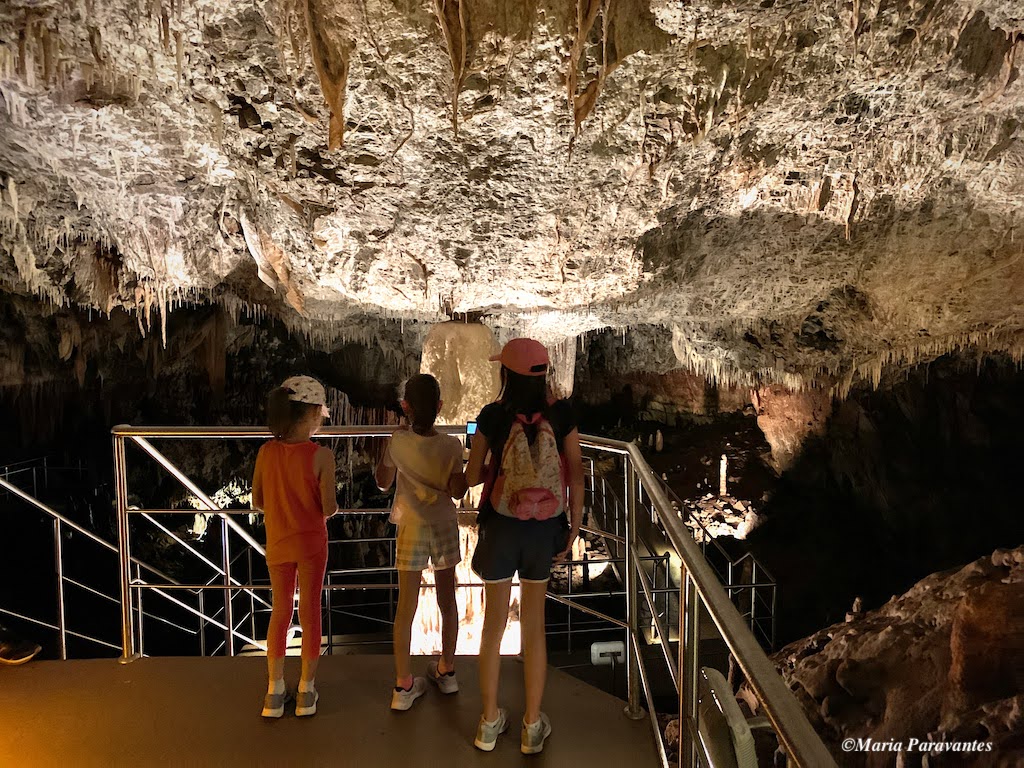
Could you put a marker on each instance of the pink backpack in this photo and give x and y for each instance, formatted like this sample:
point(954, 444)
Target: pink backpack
point(530, 484)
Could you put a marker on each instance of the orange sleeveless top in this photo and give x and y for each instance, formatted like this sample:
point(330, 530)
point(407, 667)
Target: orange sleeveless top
point(292, 513)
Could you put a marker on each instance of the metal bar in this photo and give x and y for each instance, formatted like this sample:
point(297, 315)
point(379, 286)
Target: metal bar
point(585, 609)
point(67, 522)
point(70, 633)
point(220, 571)
point(160, 591)
point(659, 740)
point(124, 552)
point(58, 561)
point(633, 709)
point(689, 669)
point(781, 707)
point(663, 635)
point(202, 626)
point(182, 478)
point(225, 545)
point(140, 627)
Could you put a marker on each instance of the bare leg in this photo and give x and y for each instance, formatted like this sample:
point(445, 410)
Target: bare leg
point(496, 595)
point(408, 599)
point(535, 651)
point(446, 605)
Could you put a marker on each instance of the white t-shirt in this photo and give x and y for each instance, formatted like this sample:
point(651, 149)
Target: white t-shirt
point(424, 465)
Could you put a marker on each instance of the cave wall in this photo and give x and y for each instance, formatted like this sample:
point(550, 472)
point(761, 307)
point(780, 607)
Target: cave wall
point(915, 477)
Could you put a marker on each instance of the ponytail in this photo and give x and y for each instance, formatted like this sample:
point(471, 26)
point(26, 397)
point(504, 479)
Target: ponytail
point(422, 393)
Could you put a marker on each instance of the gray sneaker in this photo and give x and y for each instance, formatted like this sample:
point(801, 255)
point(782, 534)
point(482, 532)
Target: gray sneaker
point(535, 734)
point(445, 683)
point(305, 703)
point(487, 733)
point(401, 700)
point(273, 704)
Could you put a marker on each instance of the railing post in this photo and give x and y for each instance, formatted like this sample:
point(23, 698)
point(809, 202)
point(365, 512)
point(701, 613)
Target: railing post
point(124, 552)
point(58, 555)
point(202, 625)
point(140, 647)
point(633, 709)
point(229, 614)
point(689, 669)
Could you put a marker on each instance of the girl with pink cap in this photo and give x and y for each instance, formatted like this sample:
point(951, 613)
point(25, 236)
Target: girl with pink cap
point(527, 453)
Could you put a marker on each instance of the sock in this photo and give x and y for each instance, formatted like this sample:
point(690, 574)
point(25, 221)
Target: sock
point(444, 674)
point(404, 683)
point(305, 686)
point(276, 687)
point(495, 721)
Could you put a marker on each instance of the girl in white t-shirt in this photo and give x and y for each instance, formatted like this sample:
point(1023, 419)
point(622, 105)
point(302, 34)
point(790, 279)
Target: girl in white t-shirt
point(428, 466)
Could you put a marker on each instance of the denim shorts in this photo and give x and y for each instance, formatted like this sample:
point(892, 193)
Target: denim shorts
point(506, 545)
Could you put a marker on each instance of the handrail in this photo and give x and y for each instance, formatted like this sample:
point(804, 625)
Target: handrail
point(699, 585)
point(781, 706)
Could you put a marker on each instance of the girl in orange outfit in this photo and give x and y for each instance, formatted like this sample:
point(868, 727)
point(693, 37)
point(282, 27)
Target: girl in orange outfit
point(294, 486)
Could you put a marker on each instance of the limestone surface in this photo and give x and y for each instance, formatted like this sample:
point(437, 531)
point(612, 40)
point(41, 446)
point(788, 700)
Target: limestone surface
point(793, 191)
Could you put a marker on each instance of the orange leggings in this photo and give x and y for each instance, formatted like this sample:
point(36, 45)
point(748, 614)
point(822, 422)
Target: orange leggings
point(310, 572)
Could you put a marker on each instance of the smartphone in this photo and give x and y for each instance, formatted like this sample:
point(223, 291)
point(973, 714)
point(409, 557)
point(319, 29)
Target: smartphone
point(470, 431)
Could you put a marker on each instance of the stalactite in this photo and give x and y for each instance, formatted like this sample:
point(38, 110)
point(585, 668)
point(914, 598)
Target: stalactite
point(452, 18)
point(332, 64)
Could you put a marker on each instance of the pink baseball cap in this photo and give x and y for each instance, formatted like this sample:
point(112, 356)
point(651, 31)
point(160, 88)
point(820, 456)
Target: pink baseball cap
point(525, 357)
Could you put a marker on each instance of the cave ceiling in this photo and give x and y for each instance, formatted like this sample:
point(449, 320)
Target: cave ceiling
point(801, 187)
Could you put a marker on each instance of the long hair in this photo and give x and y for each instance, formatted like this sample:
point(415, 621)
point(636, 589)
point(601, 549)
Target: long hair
point(523, 394)
point(283, 414)
point(422, 393)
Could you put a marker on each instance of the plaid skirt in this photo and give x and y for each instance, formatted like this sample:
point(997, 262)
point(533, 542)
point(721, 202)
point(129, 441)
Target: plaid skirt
point(422, 541)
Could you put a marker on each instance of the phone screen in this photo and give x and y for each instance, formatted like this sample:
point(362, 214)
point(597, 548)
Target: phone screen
point(471, 428)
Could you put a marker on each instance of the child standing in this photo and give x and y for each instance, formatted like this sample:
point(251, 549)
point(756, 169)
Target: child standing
point(294, 486)
point(534, 452)
point(428, 466)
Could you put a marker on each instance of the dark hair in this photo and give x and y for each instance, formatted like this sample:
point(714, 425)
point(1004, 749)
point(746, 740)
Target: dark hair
point(422, 393)
point(523, 394)
point(283, 414)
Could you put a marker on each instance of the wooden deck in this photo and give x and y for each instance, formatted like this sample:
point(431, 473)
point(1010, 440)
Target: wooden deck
point(205, 712)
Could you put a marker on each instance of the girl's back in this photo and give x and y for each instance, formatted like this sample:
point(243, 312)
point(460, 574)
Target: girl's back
point(425, 463)
point(291, 492)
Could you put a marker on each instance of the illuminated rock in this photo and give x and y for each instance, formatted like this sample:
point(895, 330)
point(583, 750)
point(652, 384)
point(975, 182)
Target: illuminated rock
point(458, 356)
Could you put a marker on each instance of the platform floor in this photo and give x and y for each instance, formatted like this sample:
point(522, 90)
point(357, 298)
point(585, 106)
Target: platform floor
point(205, 712)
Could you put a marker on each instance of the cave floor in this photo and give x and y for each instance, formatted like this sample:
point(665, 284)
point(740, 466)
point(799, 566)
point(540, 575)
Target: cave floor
point(205, 711)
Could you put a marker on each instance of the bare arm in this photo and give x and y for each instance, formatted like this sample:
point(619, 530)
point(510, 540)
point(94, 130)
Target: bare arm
point(574, 461)
point(477, 455)
point(384, 473)
point(257, 484)
point(323, 464)
point(457, 485)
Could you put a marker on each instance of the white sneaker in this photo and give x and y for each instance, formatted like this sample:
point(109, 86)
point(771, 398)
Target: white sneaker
point(445, 683)
point(402, 699)
point(305, 703)
point(535, 734)
point(487, 733)
point(273, 704)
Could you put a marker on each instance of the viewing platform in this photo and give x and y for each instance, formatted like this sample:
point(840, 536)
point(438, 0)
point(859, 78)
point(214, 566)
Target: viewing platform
point(206, 712)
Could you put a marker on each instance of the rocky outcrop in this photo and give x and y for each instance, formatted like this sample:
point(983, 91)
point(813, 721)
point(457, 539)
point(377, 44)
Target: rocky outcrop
point(938, 663)
point(789, 418)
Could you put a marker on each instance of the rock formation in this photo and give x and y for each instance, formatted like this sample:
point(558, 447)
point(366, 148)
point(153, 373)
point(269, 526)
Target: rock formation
point(941, 662)
point(790, 191)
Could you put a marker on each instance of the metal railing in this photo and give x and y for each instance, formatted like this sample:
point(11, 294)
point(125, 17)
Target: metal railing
point(696, 589)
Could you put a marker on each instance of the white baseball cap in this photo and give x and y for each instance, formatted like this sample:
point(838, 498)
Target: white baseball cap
point(306, 389)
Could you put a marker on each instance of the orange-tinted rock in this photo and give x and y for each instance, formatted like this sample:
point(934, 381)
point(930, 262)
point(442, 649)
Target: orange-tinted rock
point(788, 418)
point(987, 644)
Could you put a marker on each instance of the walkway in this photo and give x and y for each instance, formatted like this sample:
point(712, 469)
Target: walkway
point(205, 712)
